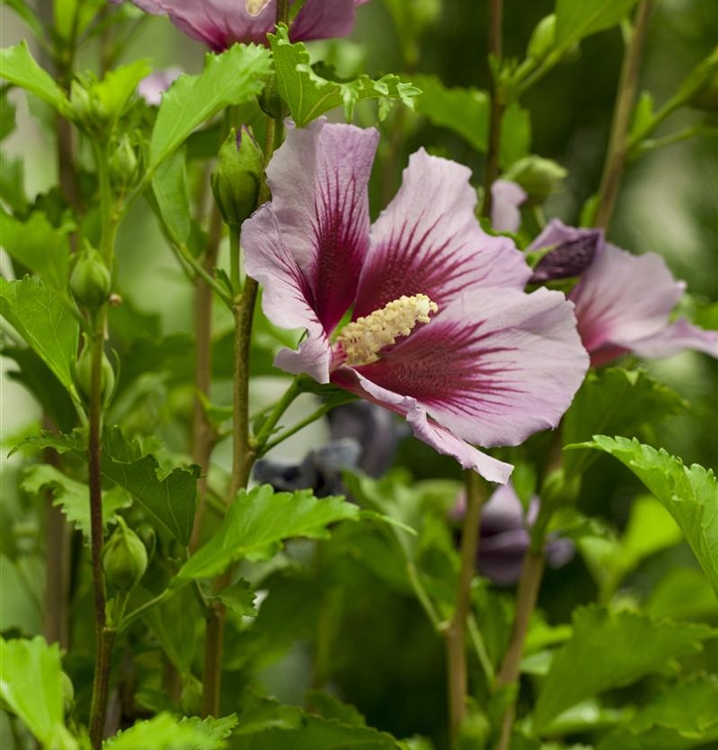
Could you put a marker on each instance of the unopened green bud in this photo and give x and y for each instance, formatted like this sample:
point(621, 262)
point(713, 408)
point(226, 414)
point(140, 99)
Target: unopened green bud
point(537, 176)
point(543, 42)
point(146, 533)
point(68, 693)
point(83, 374)
point(90, 280)
point(237, 177)
point(543, 38)
point(88, 111)
point(124, 558)
point(123, 162)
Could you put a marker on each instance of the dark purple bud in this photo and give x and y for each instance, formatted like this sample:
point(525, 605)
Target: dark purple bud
point(567, 259)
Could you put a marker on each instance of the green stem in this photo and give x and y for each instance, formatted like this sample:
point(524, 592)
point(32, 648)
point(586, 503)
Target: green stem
point(482, 654)
point(234, 251)
point(529, 585)
point(669, 140)
point(276, 414)
point(616, 157)
point(103, 640)
point(498, 106)
point(456, 631)
point(313, 417)
point(422, 596)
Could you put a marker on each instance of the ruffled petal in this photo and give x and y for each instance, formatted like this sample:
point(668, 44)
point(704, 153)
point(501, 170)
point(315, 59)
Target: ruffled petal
point(428, 241)
point(623, 298)
point(319, 19)
point(319, 182)
point(287, 299)
point(676, 338)
point(493, 367)
point(433, 434)
point(506, 198)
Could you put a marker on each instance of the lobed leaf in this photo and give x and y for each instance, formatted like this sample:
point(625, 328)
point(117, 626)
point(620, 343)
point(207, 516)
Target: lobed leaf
point(234, 77)
point(309, 95)
point(610, 649)
point(690, 495)
point(261, 519)
point(45, 323)
point(18, 66)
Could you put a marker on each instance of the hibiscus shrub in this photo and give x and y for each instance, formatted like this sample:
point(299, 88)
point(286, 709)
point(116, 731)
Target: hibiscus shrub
point(309, 390)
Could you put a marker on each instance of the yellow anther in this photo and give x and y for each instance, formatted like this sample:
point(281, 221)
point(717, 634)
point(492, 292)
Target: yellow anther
point(363, 339)
point(255, 7)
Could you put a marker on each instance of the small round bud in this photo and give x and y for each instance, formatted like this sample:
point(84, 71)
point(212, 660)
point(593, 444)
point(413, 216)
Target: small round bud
point(537, 176)
point(83, 374)
point(90, 280)
point(146, 533)
point(237, 177)
point(542, 39)
point(124, 558)
point(123, 163)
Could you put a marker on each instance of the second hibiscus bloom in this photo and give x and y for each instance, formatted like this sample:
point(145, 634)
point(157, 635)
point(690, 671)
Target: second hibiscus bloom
point(439, 328)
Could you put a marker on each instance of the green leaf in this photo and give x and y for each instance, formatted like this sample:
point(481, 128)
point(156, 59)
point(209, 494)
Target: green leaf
point(234, 77)
point(12, 183)
point(45, 323)
point(171, 194)
point(73, 496)
point(611, 649)
point(515, 135)
point(19, 67)
point(683, 593)
point(28, 15)
point(239, 597)
point(690, 495)
point(309, 95)
point(643, 114)
point(163, 732)
point(261, 519)
point(177, 623)
point(577, 20)
point(317, 734)
point(39, 246)
point(31, 685)
point(214, 731)
point(115, 91)
point(169, 498)
point(7, 114)
point(613, 401)
point(329, 706)
point(465, 111)
point(682, 715)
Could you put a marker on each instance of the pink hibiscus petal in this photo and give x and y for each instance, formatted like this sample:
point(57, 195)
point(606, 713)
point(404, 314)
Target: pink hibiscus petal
point(431, 433)
point(319, 183)
point(675, 339)
point(506, 198)
point(623, 298)
point(428, 241)
point(493, 367)
point(319, 19)
point(287, 299)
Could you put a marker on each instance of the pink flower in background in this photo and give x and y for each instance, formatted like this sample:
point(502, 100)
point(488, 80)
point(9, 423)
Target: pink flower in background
point(441, 331)
point(505, 536)
point(506, 200)
point(623, 301)
point(222, 23)
point(154, 85)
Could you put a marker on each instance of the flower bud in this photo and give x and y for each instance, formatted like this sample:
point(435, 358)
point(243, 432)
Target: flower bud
point(83, 374)
point(90, 280)
point(538, 177)
point(123, 163)
point(124, 558)
point(146, 533)
point(543, 38)
point(237, 177)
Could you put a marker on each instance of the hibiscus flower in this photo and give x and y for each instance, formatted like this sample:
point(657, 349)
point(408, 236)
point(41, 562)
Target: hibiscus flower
point(222, 23)
point(623, 301)
point(439, 328)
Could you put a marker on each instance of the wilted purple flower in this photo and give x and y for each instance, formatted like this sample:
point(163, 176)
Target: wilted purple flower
point(506, 200)
point(623, 301)
point(222, 23)
point(154, 85)
point(504, 536)
point(441, 331)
